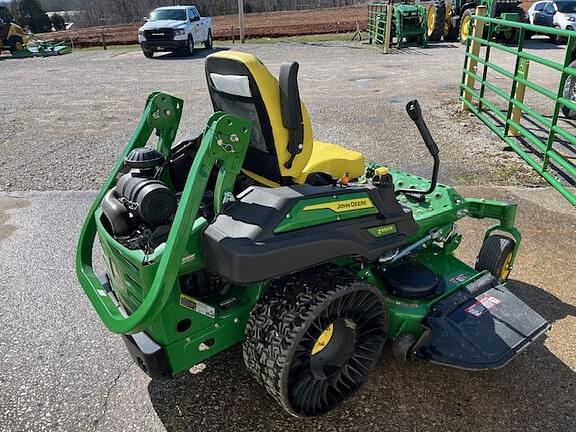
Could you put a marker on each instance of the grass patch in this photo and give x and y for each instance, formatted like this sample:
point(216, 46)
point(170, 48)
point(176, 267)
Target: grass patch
point(315, 38)
point(328, 37)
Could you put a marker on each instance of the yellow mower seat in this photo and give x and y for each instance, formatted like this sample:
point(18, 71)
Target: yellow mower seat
point(333, 160)
point(282, 149)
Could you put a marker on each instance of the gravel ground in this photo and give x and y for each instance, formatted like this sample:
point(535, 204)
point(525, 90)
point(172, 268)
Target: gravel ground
point(64, 122)
point(66, 119)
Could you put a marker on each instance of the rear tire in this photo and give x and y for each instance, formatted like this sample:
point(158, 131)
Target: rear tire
point(570, 93)
point(496, 256)
point(465, 25)
point(435, 20)
point(313, 337)
point(209, 42)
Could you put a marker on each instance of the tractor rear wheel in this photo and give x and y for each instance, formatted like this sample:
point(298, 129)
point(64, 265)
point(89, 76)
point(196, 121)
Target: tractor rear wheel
point(570, 93)
point(496, 256)
point(435, 18)
point(466, 25)
point(313, 337)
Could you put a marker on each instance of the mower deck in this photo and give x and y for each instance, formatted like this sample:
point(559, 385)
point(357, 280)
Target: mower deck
point(481, 326)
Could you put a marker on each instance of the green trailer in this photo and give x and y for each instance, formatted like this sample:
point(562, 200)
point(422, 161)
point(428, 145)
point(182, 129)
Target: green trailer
point(302, 251)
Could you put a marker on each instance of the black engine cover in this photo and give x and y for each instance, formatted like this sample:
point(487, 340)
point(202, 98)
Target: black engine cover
point(241, 246)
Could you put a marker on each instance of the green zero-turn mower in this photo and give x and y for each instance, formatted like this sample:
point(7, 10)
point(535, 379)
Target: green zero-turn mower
point(256, 234)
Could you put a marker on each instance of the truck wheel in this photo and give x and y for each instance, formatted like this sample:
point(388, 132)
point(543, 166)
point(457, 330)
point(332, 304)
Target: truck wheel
point(189, 51)
point(148, 53)
point(466, 25)
point(570, 94)
point(496, 256)
point(435, 18)
point(313, 337)
point(15, 43)
point(209, 41)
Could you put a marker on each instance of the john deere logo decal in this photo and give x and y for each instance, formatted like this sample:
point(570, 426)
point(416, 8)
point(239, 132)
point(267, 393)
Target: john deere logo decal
point(343, 206)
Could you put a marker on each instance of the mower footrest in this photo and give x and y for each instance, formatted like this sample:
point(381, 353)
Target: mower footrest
point(480, 327)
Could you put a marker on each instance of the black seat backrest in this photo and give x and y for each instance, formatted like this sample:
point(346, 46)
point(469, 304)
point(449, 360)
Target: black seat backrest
point(281, 143)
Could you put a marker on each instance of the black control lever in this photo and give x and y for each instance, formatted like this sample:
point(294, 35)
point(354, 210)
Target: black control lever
point(415, 113)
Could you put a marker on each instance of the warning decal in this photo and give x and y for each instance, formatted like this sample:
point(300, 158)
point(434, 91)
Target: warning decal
point(195, 305)
point(482, 305)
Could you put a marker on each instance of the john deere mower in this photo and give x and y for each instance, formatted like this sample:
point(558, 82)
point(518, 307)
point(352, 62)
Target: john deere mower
point(312, 258)
point(22, 44)
point(12, 36)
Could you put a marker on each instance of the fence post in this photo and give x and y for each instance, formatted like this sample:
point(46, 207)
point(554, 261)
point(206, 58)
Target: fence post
point(519, 95)
point(473, 48)
point(388, 28)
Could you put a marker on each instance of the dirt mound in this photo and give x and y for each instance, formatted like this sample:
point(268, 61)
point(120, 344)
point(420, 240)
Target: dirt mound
point(266, 24)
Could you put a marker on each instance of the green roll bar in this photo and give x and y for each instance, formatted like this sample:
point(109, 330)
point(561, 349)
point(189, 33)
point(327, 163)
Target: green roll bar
point(224, 144)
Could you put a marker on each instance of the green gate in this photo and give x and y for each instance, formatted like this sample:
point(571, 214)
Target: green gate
point(495, 94)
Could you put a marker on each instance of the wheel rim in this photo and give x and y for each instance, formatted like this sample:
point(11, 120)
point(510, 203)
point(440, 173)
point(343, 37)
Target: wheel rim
point(505, 270)
point(431, 20)
point(335, 353)
point(465, 31)
point(18, 45)
point(447, 24)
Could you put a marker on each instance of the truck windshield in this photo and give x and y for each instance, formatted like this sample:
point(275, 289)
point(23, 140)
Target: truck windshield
point(168, 14)
point(566, 6)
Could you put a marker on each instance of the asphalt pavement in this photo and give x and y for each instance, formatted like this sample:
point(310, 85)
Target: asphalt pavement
point(61, 370)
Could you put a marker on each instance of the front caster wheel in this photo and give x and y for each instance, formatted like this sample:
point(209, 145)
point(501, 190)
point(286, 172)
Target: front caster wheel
point(403, 347)
point(496, 256)
point(313, 337)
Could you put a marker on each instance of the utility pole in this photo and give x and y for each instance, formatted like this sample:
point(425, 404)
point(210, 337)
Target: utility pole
point(241, 19)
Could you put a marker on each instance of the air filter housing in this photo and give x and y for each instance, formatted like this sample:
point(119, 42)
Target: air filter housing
point(143, 158)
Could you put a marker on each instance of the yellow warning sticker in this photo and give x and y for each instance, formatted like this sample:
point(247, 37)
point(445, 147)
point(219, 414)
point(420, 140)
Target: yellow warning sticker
point(343, 206)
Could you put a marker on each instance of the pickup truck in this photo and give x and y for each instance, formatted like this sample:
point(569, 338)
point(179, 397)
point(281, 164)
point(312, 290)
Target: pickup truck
point(176, 29)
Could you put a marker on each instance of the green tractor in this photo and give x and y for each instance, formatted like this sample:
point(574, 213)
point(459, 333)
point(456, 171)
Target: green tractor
point(408, 24)
point(312, 258)
point(450, 20)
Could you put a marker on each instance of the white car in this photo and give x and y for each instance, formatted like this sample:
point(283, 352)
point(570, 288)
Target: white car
point(174, 28)
point(560, 14)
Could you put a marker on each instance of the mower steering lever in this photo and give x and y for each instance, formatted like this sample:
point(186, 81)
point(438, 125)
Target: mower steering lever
point(415, 112)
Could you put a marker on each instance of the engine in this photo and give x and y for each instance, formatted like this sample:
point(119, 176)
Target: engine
point(140, 208)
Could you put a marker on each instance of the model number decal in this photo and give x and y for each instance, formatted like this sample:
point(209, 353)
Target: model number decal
point(197, 306)
point(383, 230)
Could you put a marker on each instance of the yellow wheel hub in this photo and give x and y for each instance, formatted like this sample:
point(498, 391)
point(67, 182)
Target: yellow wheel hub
point(323, 339)
point(505, 270)
point(431, 20)
point(18, 46)
point(465, 31)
